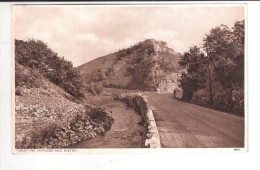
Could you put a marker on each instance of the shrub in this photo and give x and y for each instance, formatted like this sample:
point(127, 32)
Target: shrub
point(100, 116)
point(37, 55)
point(230, 101)
point(238, 101)
point(94, 89)
point(25, 77)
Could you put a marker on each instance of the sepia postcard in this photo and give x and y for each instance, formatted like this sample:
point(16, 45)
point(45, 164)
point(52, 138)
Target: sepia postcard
point(129, 78)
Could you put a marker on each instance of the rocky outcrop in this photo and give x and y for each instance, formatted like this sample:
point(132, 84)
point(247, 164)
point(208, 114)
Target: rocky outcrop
point(149, 65)
point(151, 138)
point(178, 92)
point(165, 83)
point(45, 117)
point(160, 46)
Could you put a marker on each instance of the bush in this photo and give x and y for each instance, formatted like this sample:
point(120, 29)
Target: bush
point(100, 116)
point(95, 89)
point(230, 101)
point(35, 54)
point(26, 77)
point(238, 101)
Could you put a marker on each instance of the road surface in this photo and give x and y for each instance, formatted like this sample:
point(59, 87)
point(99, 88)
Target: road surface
point(185, 125)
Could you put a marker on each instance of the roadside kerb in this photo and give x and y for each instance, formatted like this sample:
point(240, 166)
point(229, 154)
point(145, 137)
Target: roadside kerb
point(137, 101)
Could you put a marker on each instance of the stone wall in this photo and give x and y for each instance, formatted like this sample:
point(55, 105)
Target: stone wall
point(151, 138)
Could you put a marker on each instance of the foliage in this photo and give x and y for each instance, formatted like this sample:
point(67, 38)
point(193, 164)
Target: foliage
point(121, 54)
point(94, 89)
point(223, 54)
point(236, 104)
point(38, 56)
point(146, 48)
point(225, 49)
point(98, 75)
point(27, 77)
point(195, 77)
point(99, 116)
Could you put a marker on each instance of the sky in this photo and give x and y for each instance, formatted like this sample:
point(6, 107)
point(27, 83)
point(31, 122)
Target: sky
point(82, 33)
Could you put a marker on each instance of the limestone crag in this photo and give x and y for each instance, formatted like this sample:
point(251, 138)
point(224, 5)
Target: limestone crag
point(149, 65)
point(160, 46)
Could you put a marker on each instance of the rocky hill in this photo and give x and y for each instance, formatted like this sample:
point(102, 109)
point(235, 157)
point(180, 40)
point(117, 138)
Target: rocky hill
point(149, 66)
point(47, 117)
point(47, 113)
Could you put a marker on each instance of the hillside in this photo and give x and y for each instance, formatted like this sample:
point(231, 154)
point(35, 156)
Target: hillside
point(149, 65)
point(46, 115)
point(35, 54)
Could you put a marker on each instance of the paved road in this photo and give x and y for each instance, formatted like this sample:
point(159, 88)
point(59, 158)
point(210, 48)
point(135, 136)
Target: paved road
point(185, 125)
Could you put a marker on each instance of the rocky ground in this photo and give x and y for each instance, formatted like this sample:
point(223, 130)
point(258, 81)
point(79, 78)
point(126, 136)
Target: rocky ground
point(48, 117)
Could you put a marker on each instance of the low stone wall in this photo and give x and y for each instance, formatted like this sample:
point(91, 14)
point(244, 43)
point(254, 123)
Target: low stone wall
point(151, 138)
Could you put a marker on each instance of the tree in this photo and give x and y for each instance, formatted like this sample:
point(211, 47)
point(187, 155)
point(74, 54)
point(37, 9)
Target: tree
point(195, 78)
point(218, 67)
point(225, 51)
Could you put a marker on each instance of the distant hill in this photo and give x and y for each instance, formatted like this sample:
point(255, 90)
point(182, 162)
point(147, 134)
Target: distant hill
point(149, 65)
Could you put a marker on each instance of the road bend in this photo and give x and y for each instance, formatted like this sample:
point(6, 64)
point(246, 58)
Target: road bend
point(185, 125)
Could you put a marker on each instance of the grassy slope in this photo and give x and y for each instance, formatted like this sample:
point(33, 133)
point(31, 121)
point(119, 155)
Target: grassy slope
point(135, 70)
point(106, 62)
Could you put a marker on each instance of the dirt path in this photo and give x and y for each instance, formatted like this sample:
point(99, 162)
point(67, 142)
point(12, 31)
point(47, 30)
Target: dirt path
point(185, 125)
point(124, 133)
